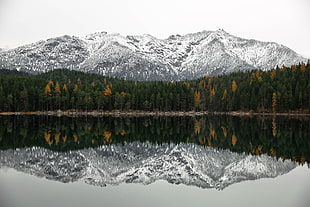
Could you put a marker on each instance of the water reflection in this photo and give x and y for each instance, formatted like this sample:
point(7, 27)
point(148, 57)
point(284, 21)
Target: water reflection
point(278, 137)
point(138, 162)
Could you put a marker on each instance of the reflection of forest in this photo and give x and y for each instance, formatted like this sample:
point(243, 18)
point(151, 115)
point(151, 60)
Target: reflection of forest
point(274, 136)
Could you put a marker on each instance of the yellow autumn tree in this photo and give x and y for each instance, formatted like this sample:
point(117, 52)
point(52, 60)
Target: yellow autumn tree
point(273, 152)
point(224, 131)
point(212, 91)
point(65, 88)
point(234, 140)
point(211, 88)
point(259, 150)
point(50, 83)
point(64, 138)
point(258, 75)
point(202, 84)
point(260, 79)
point(303, 160)
point(303, 67)
point(48, 90)
point(123, 132)
point(202, 140)
point(224, 95)
point(57, 136)
point(234, 86)
point(75, 138)
point(47, 137)
point(273, 74)
point(274, 126)
point(76, 88)
point(107, 136)
point(209, 142)
point(274, 102)
point(212, 135)
point(197, 98)
point(57, 89)
point(197, 126)
point(107, 91)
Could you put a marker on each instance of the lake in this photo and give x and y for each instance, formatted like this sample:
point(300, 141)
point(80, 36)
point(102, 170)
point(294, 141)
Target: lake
point(154, 161)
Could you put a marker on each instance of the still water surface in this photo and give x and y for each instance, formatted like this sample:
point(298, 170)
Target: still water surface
point(19, 189)
point(166, 161)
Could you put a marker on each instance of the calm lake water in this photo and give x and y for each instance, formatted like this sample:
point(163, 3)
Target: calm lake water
point(154, 161)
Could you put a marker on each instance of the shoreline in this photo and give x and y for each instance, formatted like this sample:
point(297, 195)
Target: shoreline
point(138, 113)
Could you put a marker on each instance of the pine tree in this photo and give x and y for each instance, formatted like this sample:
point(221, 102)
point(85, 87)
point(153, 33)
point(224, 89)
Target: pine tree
point(303, 67)
point(2, 99)
point(24, 99)
point(10, 101)
point(294, 68)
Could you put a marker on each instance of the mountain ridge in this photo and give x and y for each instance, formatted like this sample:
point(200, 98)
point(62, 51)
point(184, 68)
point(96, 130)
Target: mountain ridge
point(147, 58)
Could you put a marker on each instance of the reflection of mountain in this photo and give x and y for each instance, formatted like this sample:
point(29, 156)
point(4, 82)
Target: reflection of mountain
point(280, 137)
point(145, 163)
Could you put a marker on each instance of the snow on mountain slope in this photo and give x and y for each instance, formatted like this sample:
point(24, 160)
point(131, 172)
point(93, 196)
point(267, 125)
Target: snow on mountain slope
point(46, 55)
point(146, 163)
point(145, 58)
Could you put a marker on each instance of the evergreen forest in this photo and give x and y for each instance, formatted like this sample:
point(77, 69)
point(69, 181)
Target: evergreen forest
point(283, 89)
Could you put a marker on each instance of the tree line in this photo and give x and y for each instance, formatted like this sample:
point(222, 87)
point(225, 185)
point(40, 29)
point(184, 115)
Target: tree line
point(282, 89)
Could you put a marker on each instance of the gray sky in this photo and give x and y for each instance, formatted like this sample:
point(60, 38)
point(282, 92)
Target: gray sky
point(282, 21)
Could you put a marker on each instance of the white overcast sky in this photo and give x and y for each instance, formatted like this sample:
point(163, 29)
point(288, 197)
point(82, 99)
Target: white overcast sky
point(284, 21)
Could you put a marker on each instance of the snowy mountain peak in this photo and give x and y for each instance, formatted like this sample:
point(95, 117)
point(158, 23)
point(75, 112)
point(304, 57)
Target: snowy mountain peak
point(222, 33)
point(145, 58)
point(95, 36)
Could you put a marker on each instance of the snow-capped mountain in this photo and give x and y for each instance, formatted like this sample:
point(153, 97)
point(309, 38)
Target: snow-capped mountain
point(144, 57)
point(145, 163)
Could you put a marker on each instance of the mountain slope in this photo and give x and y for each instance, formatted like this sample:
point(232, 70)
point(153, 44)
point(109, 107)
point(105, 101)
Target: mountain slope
point(145, 163)
point(144, 57)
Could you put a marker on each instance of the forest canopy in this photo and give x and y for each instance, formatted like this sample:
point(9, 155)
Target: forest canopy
point(283, 89)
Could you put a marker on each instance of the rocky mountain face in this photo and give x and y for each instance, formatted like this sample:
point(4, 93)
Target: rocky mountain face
point(145, 163)
point(146, 58)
